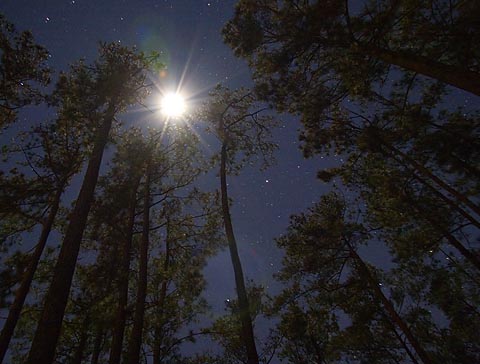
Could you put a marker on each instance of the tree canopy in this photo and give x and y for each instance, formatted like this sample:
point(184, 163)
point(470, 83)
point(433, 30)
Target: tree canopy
point(107, 225)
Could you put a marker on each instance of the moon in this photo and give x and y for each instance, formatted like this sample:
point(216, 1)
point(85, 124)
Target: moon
point(172, 105)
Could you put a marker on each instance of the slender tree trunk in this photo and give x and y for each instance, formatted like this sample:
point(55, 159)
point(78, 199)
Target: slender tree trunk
point(123, 277)
point(135, 343)
point(159, 329)
point(22, 291)
point(388, 306)
point(161, 302)
point(468, 168)
point(404, 344)
point(97, 347)
point(46, 336)
point(452, 75)
point(79, 351)
point(157, 357)
point(467, 253)
point(399, 158)
point(423, 170)
point(448, 201)
point(245, 318)
point(471, 256)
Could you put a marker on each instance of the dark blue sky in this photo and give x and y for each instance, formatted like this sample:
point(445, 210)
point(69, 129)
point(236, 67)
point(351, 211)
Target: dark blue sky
point(187, 32)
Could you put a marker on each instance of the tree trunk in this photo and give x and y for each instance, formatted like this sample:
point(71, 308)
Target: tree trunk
point(159, 329)
point(97, 347)
point(161, 303)
point(123, 277)
point(157, 343)
point(467, 253)
point(78, 357)
point(404, 344)
point(471, 256)
point(423, 170)
point(46, 336)
point(245, 318)
point(392, 153)
point(22, 291)
point(388, 306)
point(452, 75)
point(135, 343)
point(449, 202)
point(468, 169)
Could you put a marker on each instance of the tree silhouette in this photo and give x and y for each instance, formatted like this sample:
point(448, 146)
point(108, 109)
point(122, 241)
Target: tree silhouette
point(234, 118)
point(23, 71)
point(105, 89)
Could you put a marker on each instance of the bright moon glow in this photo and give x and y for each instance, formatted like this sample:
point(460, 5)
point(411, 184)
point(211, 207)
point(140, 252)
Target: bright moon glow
point(172, 105)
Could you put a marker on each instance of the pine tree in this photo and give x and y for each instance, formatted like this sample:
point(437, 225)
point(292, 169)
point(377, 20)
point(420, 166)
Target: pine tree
point(322, 258)
point(234, 118)
point(189, 236)
point(104, 90)
point(23, 71)
point(124, 179)
point(322, 49)
point(171, 163)
point(60, 157)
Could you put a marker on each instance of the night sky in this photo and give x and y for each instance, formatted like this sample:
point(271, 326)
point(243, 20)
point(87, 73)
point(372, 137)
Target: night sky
point(187, 33)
